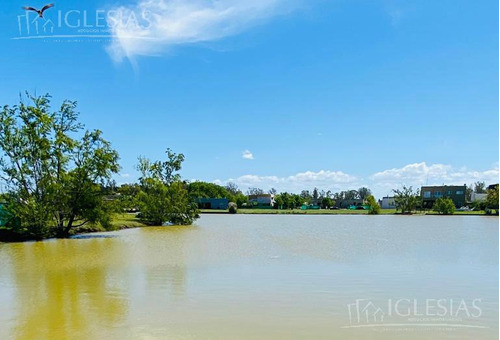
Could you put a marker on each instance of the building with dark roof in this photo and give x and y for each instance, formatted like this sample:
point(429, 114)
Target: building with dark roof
point(430, 194)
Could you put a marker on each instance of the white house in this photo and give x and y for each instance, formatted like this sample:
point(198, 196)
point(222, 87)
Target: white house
point(388, 203)
point(263, 200)
point(475, 197)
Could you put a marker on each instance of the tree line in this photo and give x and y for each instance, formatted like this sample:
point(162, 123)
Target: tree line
point(57, 178)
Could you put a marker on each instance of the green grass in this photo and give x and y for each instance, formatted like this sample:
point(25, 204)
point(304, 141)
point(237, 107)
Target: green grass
point(124, 221)
point(299, 212)
point(326, 212)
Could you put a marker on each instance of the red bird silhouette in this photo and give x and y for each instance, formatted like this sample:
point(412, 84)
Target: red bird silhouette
point(40, 12)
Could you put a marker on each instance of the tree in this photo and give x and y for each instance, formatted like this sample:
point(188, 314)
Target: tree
point(492, 199)
point(468, 193)
point(326, 202)
point(128, 196)
point(406, 200)
point(479, 187)
point(279, 202)
point(374, 206)
point(54, 173)
point(315, 194)
point(351, 195)
point(305, 194)
point(255, 191)
point(200, 189)
point(164, 197)
point(297, 201)
point(232, 188)
point(364, 193)
point(241, 199)
point(444, 206)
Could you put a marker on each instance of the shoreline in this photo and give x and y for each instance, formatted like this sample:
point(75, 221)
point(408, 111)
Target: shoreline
point(336, 212)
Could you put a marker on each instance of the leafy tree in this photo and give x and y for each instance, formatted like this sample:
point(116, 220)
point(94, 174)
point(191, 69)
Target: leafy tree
point(200, 189)
point(164, 197)
point(279, 202)
point(406, 199)
point(241, 199)
point(327, 202)
point(297, 201)
point(374, 206)
point(128, 196)
point(364, 193)
point(54, 174)
point(480, 187)
point(444, 206)
point(492, 199)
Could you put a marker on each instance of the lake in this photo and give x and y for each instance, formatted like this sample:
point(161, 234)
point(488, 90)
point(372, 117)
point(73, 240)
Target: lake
point(259, 277)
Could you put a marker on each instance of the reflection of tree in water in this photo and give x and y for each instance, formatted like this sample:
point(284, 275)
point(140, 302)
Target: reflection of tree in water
point(64, 288)
point(167, 253)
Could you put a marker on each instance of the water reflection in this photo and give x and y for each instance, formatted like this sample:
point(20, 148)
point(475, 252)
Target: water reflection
point(62, 289)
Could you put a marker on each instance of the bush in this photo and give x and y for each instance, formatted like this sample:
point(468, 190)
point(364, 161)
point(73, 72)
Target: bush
point(444, 206)
point(233, 208)
point(374, 206)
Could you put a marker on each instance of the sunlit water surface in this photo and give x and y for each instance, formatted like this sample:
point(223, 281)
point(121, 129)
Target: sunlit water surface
point(258, 277)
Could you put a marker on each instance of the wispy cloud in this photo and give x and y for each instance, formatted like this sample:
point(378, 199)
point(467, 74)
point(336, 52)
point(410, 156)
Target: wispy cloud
point(151, 26)
point(247, 154)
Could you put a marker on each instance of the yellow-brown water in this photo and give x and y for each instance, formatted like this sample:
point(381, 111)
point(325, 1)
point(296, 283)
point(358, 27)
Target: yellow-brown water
point(256, 277)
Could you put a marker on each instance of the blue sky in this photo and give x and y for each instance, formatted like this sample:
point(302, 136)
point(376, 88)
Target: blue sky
point(335, 94)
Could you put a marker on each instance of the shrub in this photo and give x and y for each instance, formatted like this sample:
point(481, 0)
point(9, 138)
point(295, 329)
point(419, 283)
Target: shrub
point(374, 206)
point(233, 208)
point(444, 206)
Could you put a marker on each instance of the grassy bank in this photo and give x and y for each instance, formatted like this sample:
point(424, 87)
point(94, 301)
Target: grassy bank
point(125, 221)
point(326, 212)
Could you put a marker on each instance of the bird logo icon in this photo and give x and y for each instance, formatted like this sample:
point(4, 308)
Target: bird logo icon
point(40, 12)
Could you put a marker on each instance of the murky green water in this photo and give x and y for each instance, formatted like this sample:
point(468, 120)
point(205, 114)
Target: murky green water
point(259, 277)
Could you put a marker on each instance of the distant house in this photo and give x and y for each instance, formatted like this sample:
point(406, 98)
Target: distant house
point(430, 194)
point(212, 203)
point(492, 186)
point(475, 197)
point(264, 200)
point(345, 204)
point(388, 203)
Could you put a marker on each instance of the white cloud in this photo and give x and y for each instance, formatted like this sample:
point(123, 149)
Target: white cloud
point(381, 183)
point(124, 175)
point(247, 154)
point(418, 174)
point(151, 26)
